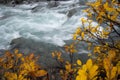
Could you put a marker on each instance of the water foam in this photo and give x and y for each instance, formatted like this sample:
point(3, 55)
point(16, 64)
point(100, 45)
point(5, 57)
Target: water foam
point(49, 26)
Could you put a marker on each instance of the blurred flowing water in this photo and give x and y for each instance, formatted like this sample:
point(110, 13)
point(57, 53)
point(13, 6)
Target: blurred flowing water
point(50, 25)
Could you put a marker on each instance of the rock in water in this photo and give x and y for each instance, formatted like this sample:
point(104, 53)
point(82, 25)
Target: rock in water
point(71, 12)
point(30, 46)
point(52, 4)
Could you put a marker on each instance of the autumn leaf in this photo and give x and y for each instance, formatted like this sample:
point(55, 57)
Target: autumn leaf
point(16, 51)
point(40, 73)
point(89, 64)
point(82, 75)
point(79, 62)
point(31, 56)
point(97, 49)
point(68, 67)
point(82, 35)
point(93, 71)
point(113, 72)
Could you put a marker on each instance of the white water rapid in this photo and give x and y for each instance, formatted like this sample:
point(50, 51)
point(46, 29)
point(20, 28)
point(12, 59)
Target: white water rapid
point(50, 25)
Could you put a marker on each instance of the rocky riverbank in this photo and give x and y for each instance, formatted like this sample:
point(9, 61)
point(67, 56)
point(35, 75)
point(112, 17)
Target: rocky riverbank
point(44, 50)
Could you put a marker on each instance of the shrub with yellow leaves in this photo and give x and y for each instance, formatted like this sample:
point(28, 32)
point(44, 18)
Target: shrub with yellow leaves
point(88, 71)
point(105, 49)
point(15, 66)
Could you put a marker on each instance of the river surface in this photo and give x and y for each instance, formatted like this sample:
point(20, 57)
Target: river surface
point(50, 25)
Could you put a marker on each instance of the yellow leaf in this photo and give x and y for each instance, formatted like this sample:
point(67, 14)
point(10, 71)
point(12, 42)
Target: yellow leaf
point(83, 20)
point(94, 30)
point(1, 60)
point(93, 71)
point(22, 59)
point(118, 67)
point(101, 13)
point(89, 54)
point(68, 67)
point(74, 36)
point(53, 54)
point(40, 73)
point(16, 51)
point(97, 3)
point(78, 30)
point(58, 55)
point(11, 76)
point(111, 54)
point(107, 64)
point(19, 55)
point(82, 35)
point(89, 15)
point(84, 67)
point(31, 56)
point(89, 64)
point(106, 5)
point(79, 62)
point(113, 72)
point(21, 77)
point(97, 49)
point(82, 75)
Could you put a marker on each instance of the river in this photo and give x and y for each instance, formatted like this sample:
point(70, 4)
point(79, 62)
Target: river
point(50, 25)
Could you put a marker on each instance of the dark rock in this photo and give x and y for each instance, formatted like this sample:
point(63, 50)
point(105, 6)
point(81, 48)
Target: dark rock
point(6, 15)
point(36, 9)
point(2, 51)
point(39, 7)
point(31, 46)
point(52, 4)
point(82, 2)
point(71, 12)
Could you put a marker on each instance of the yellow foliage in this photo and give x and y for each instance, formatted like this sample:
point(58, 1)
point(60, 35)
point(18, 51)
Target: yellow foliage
point(78, 30)
point(89, 64)
point(113, 72)
point(84, 67)
point(107, 54)
point(82, 75)
point(82, 35)
point(79, 62)
point(56, 54)
point(40, 73)
point(68, 67)
point(97, 49)
point(111, 54)
point(118, 67)
point(93, 72)
point(19, 67)
point(14, 76)
point(70, 48)
point(88, 71)
point(83, 20)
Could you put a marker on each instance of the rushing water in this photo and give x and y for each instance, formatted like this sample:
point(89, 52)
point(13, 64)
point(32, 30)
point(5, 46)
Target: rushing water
point(49, 25)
